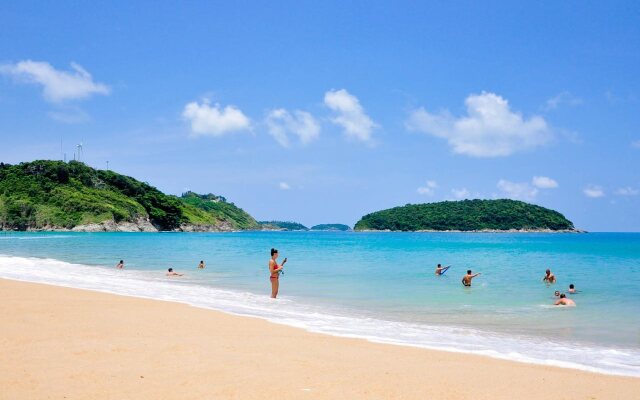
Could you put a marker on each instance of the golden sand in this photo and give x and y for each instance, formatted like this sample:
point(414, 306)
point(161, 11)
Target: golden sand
point(60, 343)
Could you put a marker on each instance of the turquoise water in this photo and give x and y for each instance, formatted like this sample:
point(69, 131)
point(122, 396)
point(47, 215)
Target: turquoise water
point(380, 286)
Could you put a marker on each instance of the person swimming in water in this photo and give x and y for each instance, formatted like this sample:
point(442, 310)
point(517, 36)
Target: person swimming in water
point(171, 272)
point(564, 301)
point(549, 277)
point(466, 280)
point(120, 265)
point(441, 270)
point(556, 293)
point(572, 288)
point(201, 265)
point(274, 271)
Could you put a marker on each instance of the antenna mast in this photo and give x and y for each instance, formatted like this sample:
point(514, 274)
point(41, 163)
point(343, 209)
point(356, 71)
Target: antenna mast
point(80, 152)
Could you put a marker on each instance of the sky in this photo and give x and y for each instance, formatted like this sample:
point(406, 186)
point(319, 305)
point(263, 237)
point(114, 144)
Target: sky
point(322, 112)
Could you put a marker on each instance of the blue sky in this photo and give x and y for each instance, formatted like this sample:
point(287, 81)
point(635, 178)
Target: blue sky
point(322, 113)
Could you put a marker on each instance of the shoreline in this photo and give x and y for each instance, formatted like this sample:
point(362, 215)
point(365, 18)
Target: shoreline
point(47, 326)
point(195, 229)
point(482, 231)
point(469, 341)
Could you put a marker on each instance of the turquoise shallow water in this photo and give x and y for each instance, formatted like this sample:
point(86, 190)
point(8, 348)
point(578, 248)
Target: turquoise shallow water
point(380, 286)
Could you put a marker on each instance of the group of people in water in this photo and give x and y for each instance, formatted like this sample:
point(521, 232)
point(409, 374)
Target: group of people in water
point(549, 278)
point(275, 270)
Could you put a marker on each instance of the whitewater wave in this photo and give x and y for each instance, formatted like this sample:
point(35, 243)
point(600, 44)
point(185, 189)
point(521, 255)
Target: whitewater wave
point(323, 319)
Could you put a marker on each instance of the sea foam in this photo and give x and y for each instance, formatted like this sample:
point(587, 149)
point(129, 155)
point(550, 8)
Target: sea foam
point(322, 319)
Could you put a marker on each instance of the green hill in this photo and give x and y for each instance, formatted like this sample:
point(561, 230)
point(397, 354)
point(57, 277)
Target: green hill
point(331, 227)
point(282, 226)
point(53, 195)
point(466, 215)
point(210, 205)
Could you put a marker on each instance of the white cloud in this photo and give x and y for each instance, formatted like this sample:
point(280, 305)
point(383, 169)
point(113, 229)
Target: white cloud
point(593, 191)
point(57, 85)
point(428, 189)
point(207, 120)
point(284, 186)
point(281, 123)
point(349, 114)
point(490, 128)
point(543, 182)
point(517, 190)
point(636, 144)
point(627, 191)
point(461, 193)
point(562, 98)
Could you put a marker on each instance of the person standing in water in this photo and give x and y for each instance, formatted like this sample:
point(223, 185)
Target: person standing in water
point(201, 265)
point(549, 277)
point(572, 288)
point(274, 271)
point(466, 280)
point(120, 265)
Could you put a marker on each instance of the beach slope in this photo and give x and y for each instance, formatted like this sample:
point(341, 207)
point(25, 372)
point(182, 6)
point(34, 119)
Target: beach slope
point(67, 343)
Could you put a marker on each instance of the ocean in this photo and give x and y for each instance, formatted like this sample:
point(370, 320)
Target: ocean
point(378, 286)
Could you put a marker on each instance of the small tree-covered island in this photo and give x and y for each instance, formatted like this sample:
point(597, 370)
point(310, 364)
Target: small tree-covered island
point(331, 227)
point(467, 216)
point(282, 226)
point(54, 195)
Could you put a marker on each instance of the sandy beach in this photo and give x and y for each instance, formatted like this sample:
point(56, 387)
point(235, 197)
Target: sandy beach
point(61, 343)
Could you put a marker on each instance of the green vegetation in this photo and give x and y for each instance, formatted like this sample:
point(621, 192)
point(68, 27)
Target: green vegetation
point(53, 194)
point(466, 215)
point(282, 226)
point(218, 208)
point(331, 227)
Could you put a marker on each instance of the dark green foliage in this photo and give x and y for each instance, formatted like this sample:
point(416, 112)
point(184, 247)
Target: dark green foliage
point(283, 225)
point(330, 227)
point(466, 215)
point(219, 209)
point(43, 194)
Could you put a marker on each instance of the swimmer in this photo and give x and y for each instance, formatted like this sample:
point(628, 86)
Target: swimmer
point(120, 265)
point(441, 270)
point(564, 301)
point(572, 288)
point(201, 265)
point(466, 280)
point(274, 271)
point(170, 272)
point(556, 293)
point(549, 277)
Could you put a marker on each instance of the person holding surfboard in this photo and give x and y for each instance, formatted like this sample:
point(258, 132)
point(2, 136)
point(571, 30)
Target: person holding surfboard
point(440, 270)
point(274, 271)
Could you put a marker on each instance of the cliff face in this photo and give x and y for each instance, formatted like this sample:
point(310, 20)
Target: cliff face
point(467, 215)
point(58, 196)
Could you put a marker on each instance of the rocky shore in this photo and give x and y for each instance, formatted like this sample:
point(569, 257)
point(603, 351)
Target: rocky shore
point(485, 231)
point(139, 225)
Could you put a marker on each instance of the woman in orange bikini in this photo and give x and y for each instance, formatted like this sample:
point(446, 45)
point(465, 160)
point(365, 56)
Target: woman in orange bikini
point(275, 270)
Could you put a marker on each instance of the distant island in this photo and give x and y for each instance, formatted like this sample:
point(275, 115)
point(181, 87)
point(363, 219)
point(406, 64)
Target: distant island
point(467, 216)
point(54, 195)
point(282, 226)
point(331, 227)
